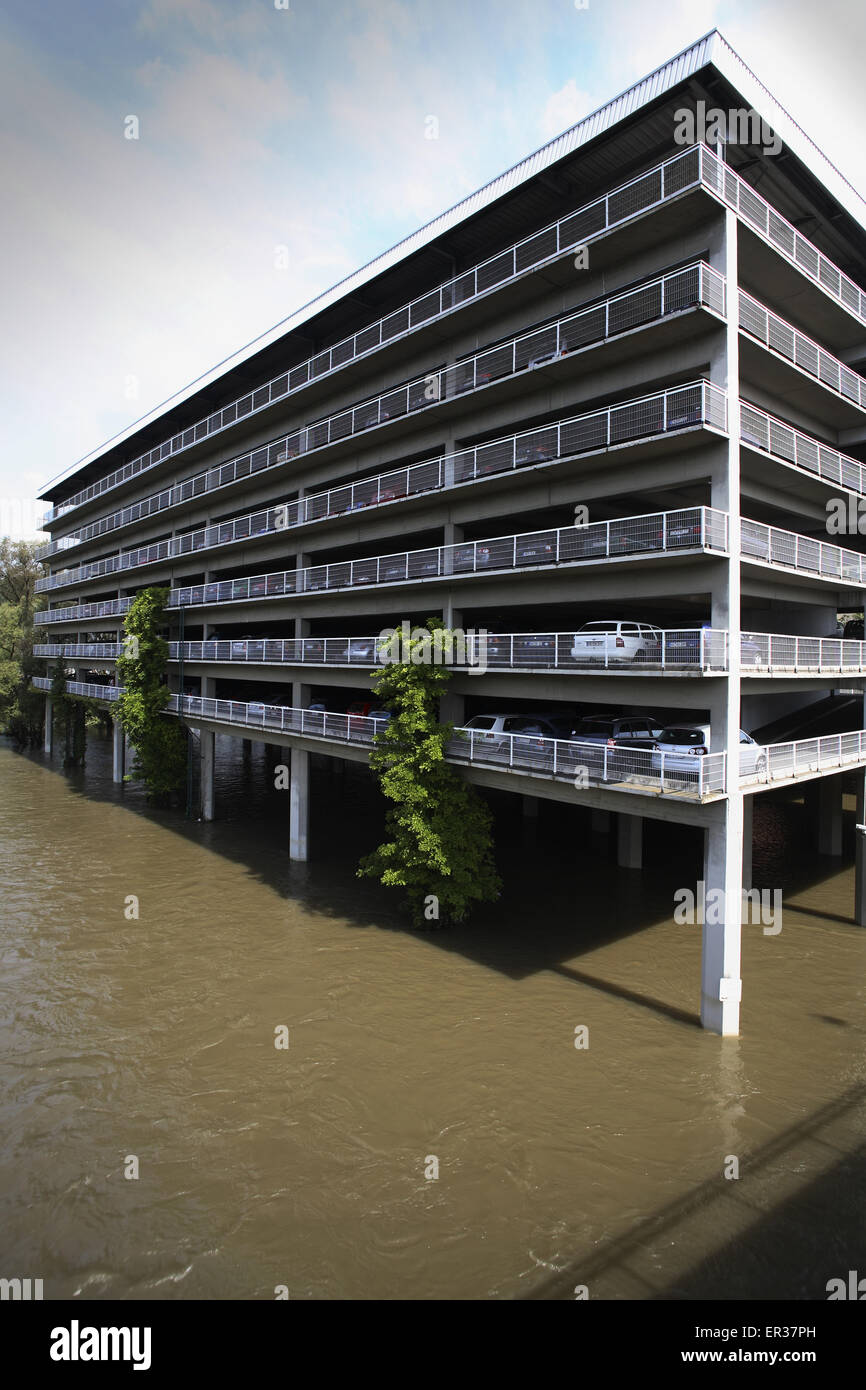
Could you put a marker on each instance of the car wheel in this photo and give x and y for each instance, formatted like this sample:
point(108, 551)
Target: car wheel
point(640, 654)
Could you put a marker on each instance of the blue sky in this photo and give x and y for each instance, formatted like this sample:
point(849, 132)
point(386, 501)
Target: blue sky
point(132, 266)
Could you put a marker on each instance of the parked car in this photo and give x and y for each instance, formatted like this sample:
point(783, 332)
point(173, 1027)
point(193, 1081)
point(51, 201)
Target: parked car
point(679, 745)
point(680, 414)
point(610, 729)
point(536, 549)
point(854, 630)
point(617, 642)
point(527, 648)
point(493, 730)
point(528, 453)
point(683, 647)
point(362, 707)
point(471, 380)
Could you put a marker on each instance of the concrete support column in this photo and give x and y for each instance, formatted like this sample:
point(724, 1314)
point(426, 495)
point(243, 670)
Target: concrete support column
point(48, 740)
point(830, 816)
point(721, 986)
point(207, 771)
point(118, 760)
point(748, 821)
point(299, 805)
point(300, 690)
point(860, 853)
point(629, 841)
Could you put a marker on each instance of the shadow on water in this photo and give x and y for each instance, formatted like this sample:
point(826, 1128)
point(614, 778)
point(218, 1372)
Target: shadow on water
point(763, 1253)
point(563, 893)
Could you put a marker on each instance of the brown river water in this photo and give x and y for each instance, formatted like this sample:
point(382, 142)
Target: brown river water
point(307, 1167)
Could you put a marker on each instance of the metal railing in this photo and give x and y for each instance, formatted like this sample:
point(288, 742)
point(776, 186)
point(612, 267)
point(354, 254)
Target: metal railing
point(580, 762)
point(674, 649)
point(697, 165)
point(783, 338)
point(677, 408)
point(108, 608)
point(693, 285)
point(562, 759)
point(772, 651)
point(773, 436)
point(718, 178)
point(788, 761)
point(93, 692)
point(657, 532)
point(668, 180)
point(109, 650)
point(788, 550)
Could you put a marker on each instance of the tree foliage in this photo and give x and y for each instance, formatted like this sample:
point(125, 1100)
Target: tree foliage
point(439, 847)
point(20, 706)
point(158, 740)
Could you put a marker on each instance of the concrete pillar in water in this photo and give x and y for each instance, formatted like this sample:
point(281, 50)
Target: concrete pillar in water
point(299, 805)
point(118, 752)
point(860, 852)
point(629, 841)
point(48, 742)
point(721, 985)
point(207, 772)
point(748, 821)
point(830, 816)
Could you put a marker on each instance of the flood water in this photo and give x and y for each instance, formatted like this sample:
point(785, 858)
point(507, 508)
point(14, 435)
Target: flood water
point(306, 1167)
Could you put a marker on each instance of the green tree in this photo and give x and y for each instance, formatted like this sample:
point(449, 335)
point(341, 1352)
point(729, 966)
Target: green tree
point(20, 706)
point(158, 739)
point(439, 847)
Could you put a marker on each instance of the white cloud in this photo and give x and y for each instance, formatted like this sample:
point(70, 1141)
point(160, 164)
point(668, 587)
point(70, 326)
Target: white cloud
point(564, 109)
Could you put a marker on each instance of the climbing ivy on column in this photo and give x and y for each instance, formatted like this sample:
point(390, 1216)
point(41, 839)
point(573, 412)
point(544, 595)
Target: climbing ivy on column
point(158, 740)
point(439, 847)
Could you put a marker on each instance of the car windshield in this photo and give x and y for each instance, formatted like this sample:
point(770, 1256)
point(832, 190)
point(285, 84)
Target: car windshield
point(481, 721)
point(594, 726)
point(599, 627)
point(686, 736)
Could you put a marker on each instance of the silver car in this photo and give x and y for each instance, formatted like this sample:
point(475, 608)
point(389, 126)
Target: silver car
point(616, 643)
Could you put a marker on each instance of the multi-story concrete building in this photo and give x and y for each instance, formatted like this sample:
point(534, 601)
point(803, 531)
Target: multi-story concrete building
point(659, 338)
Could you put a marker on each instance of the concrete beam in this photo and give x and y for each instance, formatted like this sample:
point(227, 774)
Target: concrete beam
point(830, 816)
point(860, 854)
point(629, 841)
point(208, 741)
point(299, 805)
point(721, 985)
point(118, 751)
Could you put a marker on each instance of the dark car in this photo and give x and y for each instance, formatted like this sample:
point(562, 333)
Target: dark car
point(537, 549)
point(523, 649)
point(680, 414)
point(526, 454)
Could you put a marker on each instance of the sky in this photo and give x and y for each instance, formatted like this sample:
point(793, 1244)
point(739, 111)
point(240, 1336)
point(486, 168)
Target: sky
point(281, 144)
